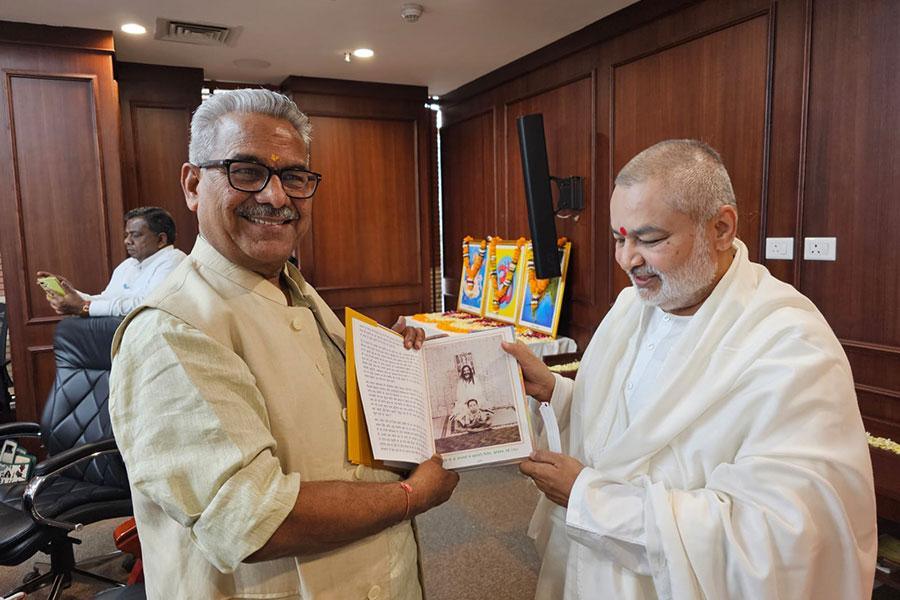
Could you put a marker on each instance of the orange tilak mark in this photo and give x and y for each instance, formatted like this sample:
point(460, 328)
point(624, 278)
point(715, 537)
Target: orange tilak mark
point(274, 158)
point(623, 231)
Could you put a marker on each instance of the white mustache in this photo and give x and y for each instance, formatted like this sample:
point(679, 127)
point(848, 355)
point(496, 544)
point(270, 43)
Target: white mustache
point(643, 272)
point(266, 211)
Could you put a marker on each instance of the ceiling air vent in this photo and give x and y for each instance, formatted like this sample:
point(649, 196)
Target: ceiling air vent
point(196, 33)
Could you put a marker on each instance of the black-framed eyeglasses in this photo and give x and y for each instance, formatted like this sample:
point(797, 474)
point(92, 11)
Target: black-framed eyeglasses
point(253, 177)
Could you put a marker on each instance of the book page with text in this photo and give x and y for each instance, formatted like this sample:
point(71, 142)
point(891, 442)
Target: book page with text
point(391, 383)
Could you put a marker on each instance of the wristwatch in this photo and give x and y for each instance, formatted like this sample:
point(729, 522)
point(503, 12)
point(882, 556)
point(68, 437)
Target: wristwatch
point(85, 310)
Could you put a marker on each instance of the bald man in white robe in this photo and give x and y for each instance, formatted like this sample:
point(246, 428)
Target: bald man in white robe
point(712, 443)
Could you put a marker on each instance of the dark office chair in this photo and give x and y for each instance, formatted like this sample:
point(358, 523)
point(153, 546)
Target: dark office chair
point(6, 399)
point(84, 479)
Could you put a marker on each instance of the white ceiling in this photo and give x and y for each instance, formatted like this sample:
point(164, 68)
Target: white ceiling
point(454, 42)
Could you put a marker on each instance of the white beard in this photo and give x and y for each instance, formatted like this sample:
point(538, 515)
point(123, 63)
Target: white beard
point(684, 286)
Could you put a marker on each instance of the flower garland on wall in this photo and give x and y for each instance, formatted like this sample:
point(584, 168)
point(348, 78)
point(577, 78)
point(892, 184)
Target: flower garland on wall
point(538, 287)
point(472, 270)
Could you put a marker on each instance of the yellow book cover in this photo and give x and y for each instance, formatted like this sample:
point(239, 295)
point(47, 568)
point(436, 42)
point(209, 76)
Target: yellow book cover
point(359, 449)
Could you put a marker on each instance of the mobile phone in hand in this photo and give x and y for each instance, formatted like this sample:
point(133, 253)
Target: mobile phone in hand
point(51, 285)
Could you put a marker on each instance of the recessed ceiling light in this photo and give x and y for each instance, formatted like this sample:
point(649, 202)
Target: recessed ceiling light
point(134, 29)
point(363, 53)
point(251, 63)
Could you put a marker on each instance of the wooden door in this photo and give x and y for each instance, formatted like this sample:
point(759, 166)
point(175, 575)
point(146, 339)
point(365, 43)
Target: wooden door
point(370, 242)
point(156, 104)
point(851, 192)
point(60, 188)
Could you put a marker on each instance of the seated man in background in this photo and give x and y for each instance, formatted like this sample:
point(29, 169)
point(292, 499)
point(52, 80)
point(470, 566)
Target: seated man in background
point(227, 394)
point(149, 235)
point(715, 447)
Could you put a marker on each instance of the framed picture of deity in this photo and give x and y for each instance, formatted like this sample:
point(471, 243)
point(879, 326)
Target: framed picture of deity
point(503, 278)
point(540, 300)
point(473, 280)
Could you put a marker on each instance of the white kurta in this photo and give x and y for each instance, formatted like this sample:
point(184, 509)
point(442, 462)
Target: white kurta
point(746, 475)
point(132, 281)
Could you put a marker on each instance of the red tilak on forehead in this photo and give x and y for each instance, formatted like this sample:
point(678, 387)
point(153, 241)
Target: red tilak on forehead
point(623, 231)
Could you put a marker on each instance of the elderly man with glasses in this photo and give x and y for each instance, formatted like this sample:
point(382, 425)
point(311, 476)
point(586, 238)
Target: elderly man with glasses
point(227, 393)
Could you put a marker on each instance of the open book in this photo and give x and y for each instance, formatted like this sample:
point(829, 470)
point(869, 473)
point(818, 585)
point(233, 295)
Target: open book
point(460, 396)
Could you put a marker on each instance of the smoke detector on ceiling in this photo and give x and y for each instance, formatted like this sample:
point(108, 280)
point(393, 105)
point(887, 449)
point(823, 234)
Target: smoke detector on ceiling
point(411, 12)
point(196, 33)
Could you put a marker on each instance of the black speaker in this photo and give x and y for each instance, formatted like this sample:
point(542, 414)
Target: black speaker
point(538, 195)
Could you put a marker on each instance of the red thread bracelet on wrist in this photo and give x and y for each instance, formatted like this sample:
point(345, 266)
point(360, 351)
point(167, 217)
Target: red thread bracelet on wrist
point(408, 489)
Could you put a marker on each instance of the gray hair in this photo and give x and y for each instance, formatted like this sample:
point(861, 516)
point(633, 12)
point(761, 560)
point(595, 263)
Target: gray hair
point(692, 173)
point(204, 123)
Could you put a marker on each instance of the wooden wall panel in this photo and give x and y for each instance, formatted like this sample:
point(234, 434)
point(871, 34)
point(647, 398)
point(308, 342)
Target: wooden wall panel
point(383, 313)
point(802, 100)
point(568, 125)
point(711, 88)
point(368, 213)
point(785, 147)
point(468, 196)
point(696, 70)
point(56, 157)
point(156, 104)
point(873, 365)
point(851, 185)
point(43, 365)
point(852, 174)
point(60, 185)
point(370, 246)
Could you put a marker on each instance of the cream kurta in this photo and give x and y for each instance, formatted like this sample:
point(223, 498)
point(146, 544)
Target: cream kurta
point(223, 402)
point(747, 475)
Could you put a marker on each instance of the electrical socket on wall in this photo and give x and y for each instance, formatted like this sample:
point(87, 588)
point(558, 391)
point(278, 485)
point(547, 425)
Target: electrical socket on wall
point(779, 248)
point(820, 248)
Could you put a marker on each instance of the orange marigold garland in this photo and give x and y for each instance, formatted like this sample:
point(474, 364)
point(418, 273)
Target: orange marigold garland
point(471, 270)
point(451, 328)
point(459, 322)
point(537, 286)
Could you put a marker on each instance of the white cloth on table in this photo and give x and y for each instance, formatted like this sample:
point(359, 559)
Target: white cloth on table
point(545, 347)
point(747, 475)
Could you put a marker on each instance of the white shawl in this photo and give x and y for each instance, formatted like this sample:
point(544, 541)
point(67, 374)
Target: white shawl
point(751, 458)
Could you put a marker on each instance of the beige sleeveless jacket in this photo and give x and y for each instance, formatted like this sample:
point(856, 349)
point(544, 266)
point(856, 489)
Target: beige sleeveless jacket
point(223, 403)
